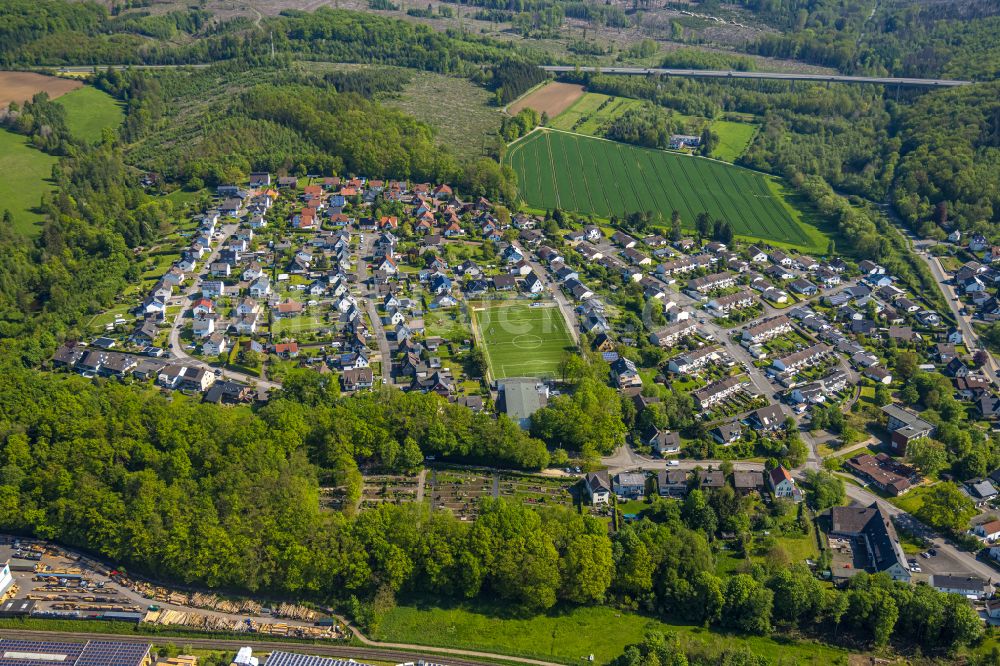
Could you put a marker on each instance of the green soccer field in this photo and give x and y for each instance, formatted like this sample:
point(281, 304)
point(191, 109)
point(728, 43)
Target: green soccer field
point(520, 340)
point(595, 176)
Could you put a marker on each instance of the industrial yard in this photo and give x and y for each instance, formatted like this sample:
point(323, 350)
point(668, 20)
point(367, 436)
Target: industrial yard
point(53, 582)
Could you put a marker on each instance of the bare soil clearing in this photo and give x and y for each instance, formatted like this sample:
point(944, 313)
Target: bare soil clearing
point(553, 98)
point(21, 86)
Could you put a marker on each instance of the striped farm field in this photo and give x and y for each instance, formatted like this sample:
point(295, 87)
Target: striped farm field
point(595, 176)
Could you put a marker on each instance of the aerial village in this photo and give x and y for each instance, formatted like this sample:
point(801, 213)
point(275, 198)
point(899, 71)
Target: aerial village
point(377, 284)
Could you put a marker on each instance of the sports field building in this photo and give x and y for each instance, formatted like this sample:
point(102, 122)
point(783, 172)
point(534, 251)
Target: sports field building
point(91, 653)
point(520, 397)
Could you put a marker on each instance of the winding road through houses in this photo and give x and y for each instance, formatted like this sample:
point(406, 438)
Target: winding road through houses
point(177, 349)
point(775, 76)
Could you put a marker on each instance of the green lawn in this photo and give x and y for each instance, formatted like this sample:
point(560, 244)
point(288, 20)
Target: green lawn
point(89, 111)
point(520, 340)
point(734, 138)
point(25, 179)
point(911, 501)
point(589, 175)
point(569, 635)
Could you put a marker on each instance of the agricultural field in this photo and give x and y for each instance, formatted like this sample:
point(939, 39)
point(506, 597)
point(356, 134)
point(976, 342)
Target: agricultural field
point(552, 98)
point(521, 340)
point(89, 111)
point(600, 177)
point(591, 112)
point(459, 490)
point(22, 86)
point(26, 173)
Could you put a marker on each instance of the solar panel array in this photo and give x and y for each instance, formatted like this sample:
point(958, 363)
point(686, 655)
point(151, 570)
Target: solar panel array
point(292, 659)
point(92, 653)
point(17, 648)
point(113, 653)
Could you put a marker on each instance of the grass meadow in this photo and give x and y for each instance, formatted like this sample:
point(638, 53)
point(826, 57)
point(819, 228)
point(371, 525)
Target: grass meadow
point(89, 111)
point(520, 340)
point(734, 139)
point(26, 177)
point(571, 635)
point(594, 176)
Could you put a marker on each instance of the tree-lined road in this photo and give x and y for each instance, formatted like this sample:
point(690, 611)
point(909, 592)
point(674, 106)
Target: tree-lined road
point(776, 76)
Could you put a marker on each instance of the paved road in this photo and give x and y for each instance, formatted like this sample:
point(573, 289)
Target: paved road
point(951, 295)
point(948, 556)
point(779, 76)
point(365, 248)
point(374, 650)
point(568, 313)
point(177, 349)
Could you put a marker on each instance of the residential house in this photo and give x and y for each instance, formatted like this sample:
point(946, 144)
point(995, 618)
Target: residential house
point(727, 433)
point(767, 419)
point(355, 379)
point(969, 587)
point(883, 472)
point(718, 391)
point(625, 374)
point(905, 427)
point(875, 545)
point(783, 485)
point(672, 482)
point(630, 485)
point(767, 329)
point(665, 442)
point(215, 345)
point(598, 487)
point(674, 333)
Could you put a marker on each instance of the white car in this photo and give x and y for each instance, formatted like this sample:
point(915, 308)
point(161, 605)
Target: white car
point(673, 463)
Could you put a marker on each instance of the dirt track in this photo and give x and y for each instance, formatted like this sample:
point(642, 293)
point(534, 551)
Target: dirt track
point(553, 98)
point(21, 86)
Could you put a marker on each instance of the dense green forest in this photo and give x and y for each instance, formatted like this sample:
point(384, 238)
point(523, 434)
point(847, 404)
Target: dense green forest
point(951, 38)
point(949, 171)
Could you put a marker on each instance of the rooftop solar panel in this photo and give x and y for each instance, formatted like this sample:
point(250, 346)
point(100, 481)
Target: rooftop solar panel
point(92, 653)
point(292, 659)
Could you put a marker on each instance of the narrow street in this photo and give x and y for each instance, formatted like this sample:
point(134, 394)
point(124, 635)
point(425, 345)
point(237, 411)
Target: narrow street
point(184, 299)
point(568, 313)
point(368, 295)
point(951, 295)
